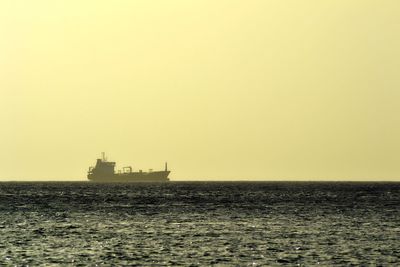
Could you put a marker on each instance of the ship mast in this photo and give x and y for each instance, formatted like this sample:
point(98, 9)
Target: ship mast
point(166, 166)
point(103, 155)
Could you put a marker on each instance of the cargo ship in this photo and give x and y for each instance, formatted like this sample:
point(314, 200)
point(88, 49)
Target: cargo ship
point(104, 171)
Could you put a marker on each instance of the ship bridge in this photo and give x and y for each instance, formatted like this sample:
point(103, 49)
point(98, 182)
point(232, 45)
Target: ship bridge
point(103, 167)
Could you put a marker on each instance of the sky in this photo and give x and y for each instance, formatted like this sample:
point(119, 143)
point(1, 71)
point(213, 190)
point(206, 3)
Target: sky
point(223, 90)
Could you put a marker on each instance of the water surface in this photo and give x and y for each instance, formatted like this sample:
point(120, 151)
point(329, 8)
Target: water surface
point(225, 224)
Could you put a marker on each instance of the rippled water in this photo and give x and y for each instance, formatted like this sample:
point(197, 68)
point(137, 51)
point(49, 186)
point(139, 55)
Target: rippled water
point(200, 224)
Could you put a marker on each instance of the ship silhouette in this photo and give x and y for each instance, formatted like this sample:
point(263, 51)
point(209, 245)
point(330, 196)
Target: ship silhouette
point(104, 171)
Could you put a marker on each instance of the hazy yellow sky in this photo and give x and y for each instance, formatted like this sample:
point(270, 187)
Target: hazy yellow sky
point(221, 89)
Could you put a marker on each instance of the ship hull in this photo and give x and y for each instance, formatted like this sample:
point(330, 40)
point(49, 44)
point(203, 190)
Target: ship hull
point(134, 177)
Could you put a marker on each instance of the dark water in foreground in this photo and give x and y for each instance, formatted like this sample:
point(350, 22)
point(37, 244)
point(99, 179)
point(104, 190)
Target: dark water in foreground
point(200, 224)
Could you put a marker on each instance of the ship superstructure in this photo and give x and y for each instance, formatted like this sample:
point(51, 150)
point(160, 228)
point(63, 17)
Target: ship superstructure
point(104, 171)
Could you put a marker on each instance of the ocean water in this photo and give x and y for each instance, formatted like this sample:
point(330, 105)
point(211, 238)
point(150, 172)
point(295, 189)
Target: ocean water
point(200, 224)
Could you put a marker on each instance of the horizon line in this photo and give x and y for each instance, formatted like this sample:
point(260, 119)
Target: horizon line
point(214, 180)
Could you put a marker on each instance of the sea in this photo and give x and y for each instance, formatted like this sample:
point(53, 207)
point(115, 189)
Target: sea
point(200, 224)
